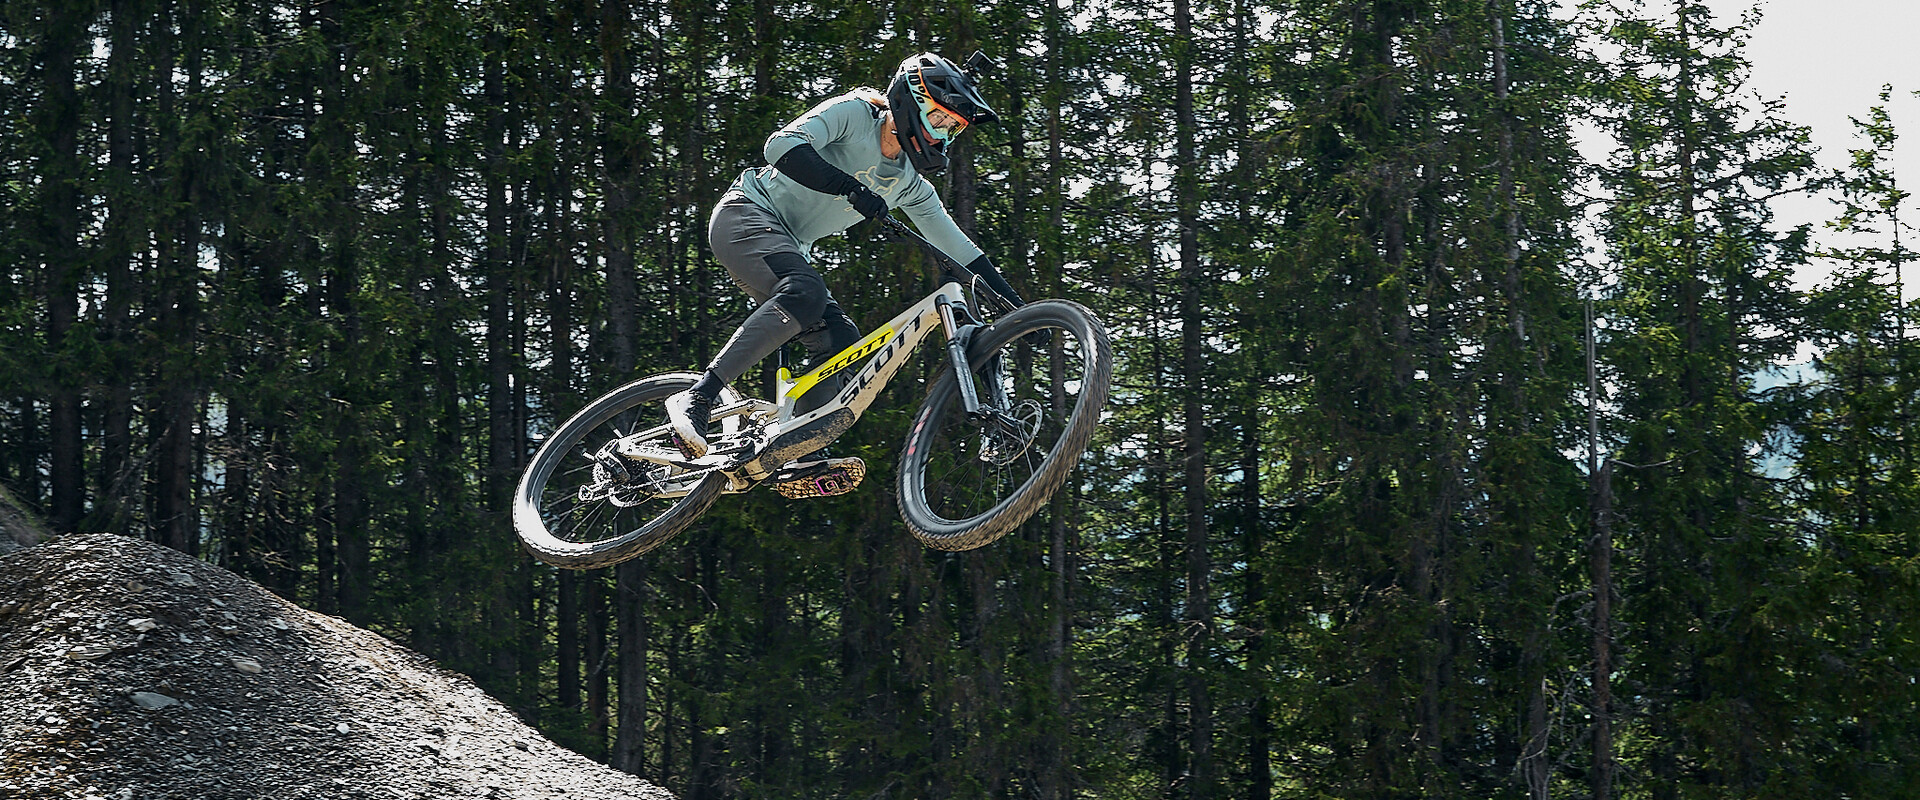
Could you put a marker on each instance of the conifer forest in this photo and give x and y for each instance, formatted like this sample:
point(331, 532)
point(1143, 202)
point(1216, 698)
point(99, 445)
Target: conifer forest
point(1445, 458)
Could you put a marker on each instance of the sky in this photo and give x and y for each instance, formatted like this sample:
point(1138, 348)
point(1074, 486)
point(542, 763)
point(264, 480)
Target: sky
point(1828, 59)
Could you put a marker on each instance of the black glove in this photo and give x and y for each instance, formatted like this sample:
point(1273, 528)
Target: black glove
point(983, 267)
point(869, 205)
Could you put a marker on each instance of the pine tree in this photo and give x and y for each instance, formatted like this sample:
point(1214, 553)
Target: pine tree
point(1856, 473)
point(1425, 307)
point(1696, 313)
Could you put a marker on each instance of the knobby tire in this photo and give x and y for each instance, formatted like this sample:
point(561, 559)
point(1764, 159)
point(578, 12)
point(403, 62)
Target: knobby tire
point(941, 478)
point(602, 536)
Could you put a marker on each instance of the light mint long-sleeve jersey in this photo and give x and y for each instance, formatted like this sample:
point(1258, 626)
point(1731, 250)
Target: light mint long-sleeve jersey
point(845, 130)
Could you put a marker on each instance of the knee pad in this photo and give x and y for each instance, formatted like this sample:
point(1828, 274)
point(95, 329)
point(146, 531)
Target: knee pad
point(801, 290)
point(832, 334)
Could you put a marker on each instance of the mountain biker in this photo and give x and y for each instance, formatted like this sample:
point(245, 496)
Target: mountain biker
point(853, 157)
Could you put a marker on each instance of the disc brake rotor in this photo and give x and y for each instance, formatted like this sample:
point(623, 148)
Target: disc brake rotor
point(1010, 433)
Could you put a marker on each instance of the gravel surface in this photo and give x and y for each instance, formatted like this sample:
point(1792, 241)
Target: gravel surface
point(129, 671)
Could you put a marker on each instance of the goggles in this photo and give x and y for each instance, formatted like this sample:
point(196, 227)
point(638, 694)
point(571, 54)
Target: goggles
point(950, 122)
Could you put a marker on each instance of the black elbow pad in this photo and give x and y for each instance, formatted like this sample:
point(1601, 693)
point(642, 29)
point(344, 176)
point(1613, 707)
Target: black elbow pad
point(805, 166)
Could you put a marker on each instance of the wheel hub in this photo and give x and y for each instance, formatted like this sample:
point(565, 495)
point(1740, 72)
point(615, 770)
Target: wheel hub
point(1008, 434)
point(616, 480)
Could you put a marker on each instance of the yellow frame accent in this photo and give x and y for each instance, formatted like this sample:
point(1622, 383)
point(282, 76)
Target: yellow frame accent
point(845, 359)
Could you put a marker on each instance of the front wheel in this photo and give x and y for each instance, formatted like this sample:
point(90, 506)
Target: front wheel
point(1041, 374)
point(598, 493)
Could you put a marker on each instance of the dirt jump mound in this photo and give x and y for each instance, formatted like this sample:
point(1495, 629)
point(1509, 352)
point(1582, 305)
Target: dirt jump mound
point(130, 671)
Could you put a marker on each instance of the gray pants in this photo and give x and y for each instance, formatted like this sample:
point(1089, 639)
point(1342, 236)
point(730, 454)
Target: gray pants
point(793, 299)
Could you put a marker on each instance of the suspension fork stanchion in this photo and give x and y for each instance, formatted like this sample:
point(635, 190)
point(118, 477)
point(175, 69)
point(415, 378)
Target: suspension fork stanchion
point(957, 353)
point(995, 371)
point(956, 339)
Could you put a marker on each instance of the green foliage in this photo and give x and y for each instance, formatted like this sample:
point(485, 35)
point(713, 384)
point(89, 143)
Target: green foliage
point(1855, 481)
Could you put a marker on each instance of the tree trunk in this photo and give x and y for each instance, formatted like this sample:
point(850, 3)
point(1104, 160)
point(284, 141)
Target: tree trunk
point(178, 298)
point(1534, 764)
point(560, 323)
point(124, 214)
point(352, 547)
point(599, 685)
point(616, 153)
point(1198, 618)
point(61, 254)
point(1600, 476)
point(1057, 768)
point(629, 747)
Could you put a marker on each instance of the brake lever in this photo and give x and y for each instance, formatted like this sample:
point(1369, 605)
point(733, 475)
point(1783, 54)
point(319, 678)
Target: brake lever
point(892, 229)
point(898, 231)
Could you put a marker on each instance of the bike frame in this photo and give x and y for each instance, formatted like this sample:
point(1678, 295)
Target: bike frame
point(749, 453)
point(889, 346)
point(945, 310)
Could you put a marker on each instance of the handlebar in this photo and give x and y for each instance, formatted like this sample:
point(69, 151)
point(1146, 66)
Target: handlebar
point(895, 229)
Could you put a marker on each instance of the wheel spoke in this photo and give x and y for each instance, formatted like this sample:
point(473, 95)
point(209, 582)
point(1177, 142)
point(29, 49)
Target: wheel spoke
point(953, 491)
point(567, 462)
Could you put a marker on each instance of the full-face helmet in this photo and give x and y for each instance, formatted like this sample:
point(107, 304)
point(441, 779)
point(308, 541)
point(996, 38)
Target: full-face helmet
point(933, 101)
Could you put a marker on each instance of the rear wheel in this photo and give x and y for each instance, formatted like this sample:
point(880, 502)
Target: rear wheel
point(592, 497)
point(1041, 374)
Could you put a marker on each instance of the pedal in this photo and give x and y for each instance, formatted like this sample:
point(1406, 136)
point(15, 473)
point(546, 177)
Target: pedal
point(824, 478)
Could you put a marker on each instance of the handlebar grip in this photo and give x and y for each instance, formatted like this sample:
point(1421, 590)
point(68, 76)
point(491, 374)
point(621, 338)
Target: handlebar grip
point(896, 229)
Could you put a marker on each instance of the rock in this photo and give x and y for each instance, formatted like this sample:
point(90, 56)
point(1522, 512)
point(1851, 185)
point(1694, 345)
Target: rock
point(151, 701)
point(19, 527)
point(87, 652)
point(343, 728)
point(278, 624)
point(247, 665)
point(143, 624)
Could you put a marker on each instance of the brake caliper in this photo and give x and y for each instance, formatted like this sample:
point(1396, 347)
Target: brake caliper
point(1009, 433)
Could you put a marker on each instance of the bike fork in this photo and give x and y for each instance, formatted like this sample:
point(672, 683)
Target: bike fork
point(957, 339)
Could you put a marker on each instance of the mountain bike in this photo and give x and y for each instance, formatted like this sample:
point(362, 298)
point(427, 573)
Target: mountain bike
point(1001, 428)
